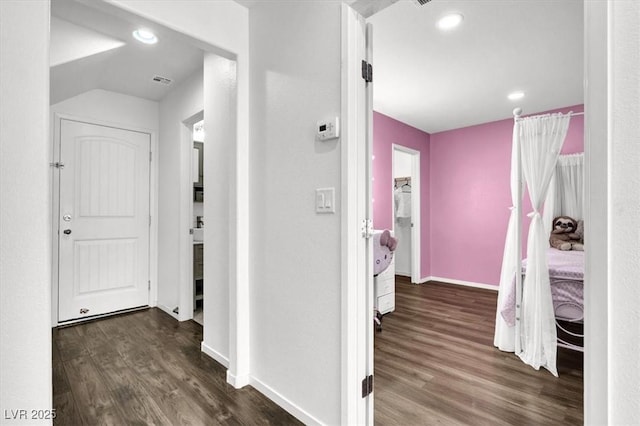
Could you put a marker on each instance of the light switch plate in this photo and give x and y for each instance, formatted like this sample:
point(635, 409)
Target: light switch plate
point(325, 200)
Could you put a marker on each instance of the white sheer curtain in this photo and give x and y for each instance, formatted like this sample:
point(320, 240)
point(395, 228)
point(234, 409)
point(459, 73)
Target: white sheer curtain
point(541, 138)
point(504, 336)
point(566, 190)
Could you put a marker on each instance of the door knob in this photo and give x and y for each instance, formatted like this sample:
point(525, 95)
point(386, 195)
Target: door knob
point(67, 231)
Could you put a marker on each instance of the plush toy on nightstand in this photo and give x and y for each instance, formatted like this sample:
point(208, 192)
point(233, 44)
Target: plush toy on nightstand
point(383, 247)
point(567, 234)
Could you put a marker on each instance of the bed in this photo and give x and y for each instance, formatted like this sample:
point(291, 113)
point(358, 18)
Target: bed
point(566, 276)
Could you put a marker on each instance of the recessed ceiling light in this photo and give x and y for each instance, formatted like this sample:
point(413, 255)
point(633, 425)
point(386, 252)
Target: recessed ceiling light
point(145, 36)
point(514, 96)
point(450, 21)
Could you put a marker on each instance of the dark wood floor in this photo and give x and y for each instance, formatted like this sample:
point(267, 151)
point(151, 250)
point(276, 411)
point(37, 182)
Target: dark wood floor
point(435, 363)
point(146, 368)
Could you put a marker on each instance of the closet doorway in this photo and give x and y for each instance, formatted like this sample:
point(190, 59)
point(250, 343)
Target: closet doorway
point(406, 211)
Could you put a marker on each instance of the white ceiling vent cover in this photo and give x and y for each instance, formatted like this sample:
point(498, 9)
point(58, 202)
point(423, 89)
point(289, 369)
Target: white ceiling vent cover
point(421, 2)
point(162, 80)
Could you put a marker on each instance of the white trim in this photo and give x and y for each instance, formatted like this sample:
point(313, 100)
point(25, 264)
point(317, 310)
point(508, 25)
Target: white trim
point(283, 402)
point(460, 282)
point(100, 316)
point(238, 382)
point(167, 310)
point(57, 118)
point(217, 356)
point(597, 140)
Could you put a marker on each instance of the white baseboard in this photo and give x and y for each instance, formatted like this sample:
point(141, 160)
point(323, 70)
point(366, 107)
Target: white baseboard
point(238, 382)
point(460, 282)
point(208, 350)
point(167, 310)
point(283, 402)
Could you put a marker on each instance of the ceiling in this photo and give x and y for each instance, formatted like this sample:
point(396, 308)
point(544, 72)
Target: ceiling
point(429, 79)
point(437, 81)
point(93, 49)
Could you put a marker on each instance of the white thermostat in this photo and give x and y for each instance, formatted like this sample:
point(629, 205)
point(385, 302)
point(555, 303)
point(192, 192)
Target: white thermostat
point(328, 129)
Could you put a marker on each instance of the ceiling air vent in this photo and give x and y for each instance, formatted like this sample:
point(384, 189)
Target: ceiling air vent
point(421, 2)
point(162, 80)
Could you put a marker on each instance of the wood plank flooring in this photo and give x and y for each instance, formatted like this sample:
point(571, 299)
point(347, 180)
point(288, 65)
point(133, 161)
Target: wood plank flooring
point(146, 368)
point(435, 363)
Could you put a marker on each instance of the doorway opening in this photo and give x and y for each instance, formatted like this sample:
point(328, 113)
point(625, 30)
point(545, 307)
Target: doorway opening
point(197, 144)
point(406, 211)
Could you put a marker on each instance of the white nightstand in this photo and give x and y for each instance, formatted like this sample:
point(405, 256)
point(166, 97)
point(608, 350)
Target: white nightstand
point(384, 285)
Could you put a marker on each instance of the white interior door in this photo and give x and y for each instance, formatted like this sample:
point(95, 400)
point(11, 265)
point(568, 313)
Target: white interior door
point(103, 229)
point(357, 266)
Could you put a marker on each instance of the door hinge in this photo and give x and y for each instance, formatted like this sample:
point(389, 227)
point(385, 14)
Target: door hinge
point(57, 165)
point(150, 156)
point(149, 288)
point(149, 220)
point(367, 228)
point(367, 386)
point(367, 71)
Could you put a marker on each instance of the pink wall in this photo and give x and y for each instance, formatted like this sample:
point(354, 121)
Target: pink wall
point(465, 192)
point(470, 196)
point(386, 132)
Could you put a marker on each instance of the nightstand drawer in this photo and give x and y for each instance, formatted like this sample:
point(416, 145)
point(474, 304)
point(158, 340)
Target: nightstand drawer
point(384, 286)
point(386, 303)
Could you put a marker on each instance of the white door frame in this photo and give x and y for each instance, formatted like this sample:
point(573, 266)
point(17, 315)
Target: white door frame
point(416, 227)
point(597, 78)
point(55, 203)
point(185, 291)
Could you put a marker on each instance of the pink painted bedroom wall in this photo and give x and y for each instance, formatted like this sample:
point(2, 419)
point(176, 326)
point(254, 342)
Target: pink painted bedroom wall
point(470, 197)
point(386, 132)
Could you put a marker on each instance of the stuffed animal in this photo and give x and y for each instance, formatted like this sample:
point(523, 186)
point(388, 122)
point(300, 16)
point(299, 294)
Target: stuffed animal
point(383, 247)
point(567, 234)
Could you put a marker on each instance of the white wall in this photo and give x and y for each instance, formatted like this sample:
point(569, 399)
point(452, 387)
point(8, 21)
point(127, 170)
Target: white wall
point(25, 233)
point(111, 107)
point(183, 102)
point(295, 279)
point(220, 131)
point(624, 214)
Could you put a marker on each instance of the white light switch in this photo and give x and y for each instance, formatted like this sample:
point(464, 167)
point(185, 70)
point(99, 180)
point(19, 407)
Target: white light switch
point(325, 200)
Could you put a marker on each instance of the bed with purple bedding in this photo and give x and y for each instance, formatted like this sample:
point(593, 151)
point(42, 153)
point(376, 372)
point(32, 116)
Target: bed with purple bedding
point(566, 275)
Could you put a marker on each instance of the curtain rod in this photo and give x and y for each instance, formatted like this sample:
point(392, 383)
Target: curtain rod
point(518, 111)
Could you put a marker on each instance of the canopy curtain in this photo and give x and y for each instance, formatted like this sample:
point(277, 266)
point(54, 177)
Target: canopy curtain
point(504, 336)
point(566, 190)
point(535, 150)
point(540, 139)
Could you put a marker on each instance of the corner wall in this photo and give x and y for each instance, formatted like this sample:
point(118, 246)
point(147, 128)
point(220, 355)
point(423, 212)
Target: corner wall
point(25, 213)
point(296, 260)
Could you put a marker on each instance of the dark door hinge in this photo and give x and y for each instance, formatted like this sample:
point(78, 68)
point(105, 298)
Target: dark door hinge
point(367, 386)
point(367, 71)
